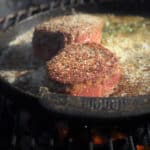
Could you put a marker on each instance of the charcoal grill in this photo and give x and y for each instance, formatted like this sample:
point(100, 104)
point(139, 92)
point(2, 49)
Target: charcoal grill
point(32, 128)
point(25, 124)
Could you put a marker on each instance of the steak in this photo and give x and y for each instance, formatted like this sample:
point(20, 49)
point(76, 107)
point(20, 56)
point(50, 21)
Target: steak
point(86, 69)
point(58, 32)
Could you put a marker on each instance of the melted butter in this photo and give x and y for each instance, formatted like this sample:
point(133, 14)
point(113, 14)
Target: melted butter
point(129, 38)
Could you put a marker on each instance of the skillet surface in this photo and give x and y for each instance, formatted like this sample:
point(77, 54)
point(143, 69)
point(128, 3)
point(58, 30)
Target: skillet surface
point(112, 107)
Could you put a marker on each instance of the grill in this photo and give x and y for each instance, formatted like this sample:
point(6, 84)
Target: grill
point(30, 127)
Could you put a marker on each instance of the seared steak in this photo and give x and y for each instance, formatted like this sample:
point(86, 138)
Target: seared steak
point(58, 32)
point(86, 69)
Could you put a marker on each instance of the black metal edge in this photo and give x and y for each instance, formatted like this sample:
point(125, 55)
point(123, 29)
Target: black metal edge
point(104, 108)
point(57, 106)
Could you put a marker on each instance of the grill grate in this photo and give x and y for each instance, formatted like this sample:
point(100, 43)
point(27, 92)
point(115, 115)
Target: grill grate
point(24, 129)
point(12, 19)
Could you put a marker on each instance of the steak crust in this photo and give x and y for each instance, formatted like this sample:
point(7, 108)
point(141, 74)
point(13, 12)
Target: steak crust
point(87, 70)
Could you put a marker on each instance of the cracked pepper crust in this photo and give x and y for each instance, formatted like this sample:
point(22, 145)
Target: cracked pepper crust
point(79, 63)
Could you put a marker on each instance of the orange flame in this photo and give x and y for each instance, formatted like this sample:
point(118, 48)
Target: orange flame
point(98, 139)
point(63, 132)
point(141, 147)
point(116, 136)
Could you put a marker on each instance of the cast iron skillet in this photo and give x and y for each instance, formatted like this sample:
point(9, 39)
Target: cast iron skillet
point(112, 107)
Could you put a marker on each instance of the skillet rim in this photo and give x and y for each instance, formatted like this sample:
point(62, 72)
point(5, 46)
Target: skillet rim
point(111, 108)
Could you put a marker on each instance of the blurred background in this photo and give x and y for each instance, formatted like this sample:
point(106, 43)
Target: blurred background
point(9, 6)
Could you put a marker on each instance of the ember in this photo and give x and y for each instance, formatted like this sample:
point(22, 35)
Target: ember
point(141, 147)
